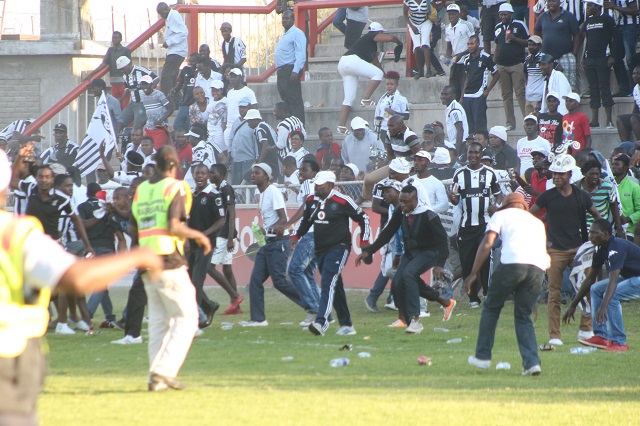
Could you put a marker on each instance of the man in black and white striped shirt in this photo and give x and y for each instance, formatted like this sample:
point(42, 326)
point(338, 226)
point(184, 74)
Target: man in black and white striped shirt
point(475, 186)
point(64, 151)
point(288, 123)
point(132, 79)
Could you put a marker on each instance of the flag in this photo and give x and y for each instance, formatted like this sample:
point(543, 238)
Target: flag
point(99, 131)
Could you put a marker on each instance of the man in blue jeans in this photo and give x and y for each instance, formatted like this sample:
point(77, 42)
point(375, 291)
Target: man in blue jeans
point(622, 258)
point(523, 260)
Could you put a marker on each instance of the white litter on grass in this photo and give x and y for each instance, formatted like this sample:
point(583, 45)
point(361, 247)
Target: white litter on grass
point(364, 354)
point(286, 323)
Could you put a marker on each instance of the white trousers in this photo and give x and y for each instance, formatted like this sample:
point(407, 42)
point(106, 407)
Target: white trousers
point(350, 68)
point(423, 38)
point(173, 320)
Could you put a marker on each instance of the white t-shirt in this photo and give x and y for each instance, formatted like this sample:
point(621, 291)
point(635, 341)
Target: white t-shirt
point(524, 240)
point(636, 95)
point(458, 35)
point(299, 155)
point(271, 200)
point(206, 84)
point(233, 97)
point(293, 181)
point(525, 147)
point(455, 113)
point(45, 261)
point(437, 194)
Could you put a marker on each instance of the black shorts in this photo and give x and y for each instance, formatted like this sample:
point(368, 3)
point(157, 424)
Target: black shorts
point(626, 119)
point(489, 18)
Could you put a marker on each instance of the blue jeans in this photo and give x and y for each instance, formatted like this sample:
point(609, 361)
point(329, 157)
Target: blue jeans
point(181, 121)
point(330, 264)
point(239, 169)
point(338, 21)
point(629, 36)
point(101, 297)
point(613, 329)
point(525, 283)
point(271, 261)
point(300, 272)
point(378, 288)
point(407, 286)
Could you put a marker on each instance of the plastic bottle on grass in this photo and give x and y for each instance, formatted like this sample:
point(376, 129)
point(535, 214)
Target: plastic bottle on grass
point(258, 234)
point(580, 350)
point(339, 362)
point(441, 330)
point(456, 340)
point(503, 366)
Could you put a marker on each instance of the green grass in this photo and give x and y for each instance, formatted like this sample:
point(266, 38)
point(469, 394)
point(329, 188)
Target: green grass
point(237, 377)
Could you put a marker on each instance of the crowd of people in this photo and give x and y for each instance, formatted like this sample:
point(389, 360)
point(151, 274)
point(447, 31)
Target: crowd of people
point(457, 199)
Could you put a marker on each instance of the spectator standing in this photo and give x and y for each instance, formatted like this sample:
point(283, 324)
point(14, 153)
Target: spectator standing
point(625, 14)
point(455, 117)
point(457, 34)
point(504, 156)
point(217, 117)
point(629, 193)
point(478, 65)
point(560, 38)
point(566, 207)
point(185, 82)
point(555, 82)
point(532, 142)
point(287, 123)
point(628, 122)
point(489, 18)
point(134, 110)
point(237, 91)
point(327, 145)
point(358, 145)
point(417, 16)
point(266, 138)
point(63, 151)
point(575, 124)
point(600, 30)
point(175, 41)
point(96, 88)
point(244, 147)
point(206, 76)
point(550, 122)
point(290, 57)
point(391, 103)
point(357, 19)
point(534, 80)
point(436, 192)
point(116, 78)
point(602, 193)
point(158, 109)
point(234, 52)
point(511, 37)
point(199, 110)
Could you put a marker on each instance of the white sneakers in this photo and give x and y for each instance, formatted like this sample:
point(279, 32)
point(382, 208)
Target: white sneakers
point(128, 340)
point(415, 327)
point(63, 328)
point(484, 364)
point(585, 335)
point(81, 325)
point(425, 314)
point(254, 323)
point(308, 320)
point(556, 342)
point(346, 330)
point(391, 306)
point(533, 371)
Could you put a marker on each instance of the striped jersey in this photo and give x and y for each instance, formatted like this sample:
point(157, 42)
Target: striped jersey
point(418, 12)
point(15, 126)
point(285, 127)
point(66, 227)
point(603, 197)
point(132, 81)
point(476, 189)
point(22, 194)
point(620, 17)
point(65, 157)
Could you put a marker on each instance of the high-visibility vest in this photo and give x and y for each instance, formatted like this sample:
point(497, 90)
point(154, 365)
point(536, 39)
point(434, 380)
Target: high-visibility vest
point(150, 208)
point(19, 322)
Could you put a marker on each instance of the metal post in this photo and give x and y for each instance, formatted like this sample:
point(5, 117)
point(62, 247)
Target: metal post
point(193, 31)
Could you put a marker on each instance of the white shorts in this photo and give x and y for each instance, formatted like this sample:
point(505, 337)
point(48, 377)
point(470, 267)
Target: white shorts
point(221, 256)
point(423, 38)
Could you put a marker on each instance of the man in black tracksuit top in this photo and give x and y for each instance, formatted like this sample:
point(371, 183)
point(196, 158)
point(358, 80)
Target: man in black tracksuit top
point(329, 212)
point(425, 246)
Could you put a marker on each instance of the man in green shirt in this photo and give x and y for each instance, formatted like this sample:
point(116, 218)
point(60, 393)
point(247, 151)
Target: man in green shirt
point(629, 192)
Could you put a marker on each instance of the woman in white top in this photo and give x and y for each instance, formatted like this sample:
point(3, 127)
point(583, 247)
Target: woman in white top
point(391, 103)
point(198, 110)
point(297, 150)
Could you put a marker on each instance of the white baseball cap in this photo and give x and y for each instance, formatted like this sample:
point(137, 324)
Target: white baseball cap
point(5, 171)
point(563, 163)
point(146, 79)
point(574, 96)
point(354, 169)
point(530, 117)
point(236, 71)
point(554, 94)
point(596, 2)
point(324, 177)
point(505, 7)
point(265, 167)
point(253, 114)
point(122, 62)
point(441, 156)
point(400, 165)
point(359, 123)
point(376, 26)
point(453, 8)
point(424, 154)
point(217, 84)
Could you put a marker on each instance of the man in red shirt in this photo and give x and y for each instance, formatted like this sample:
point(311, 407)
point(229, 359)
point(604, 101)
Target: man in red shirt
point(327, 145)
point(539, 177)
point(184, 151)
point(575, 124)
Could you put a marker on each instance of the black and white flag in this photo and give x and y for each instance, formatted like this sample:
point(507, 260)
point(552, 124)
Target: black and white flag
point(99, 131)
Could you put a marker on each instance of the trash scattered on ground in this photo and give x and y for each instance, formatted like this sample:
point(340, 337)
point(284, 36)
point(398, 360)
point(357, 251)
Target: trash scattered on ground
point(503, 366)
point(346, 347)
point(456, 340)
point(364, 354)
point(339, 362)
point(424, 360)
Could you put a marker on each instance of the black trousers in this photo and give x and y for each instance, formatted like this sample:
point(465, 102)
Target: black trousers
point(198, 267)
point(598, 74)
point(408, 286)
point(169, 75)
point(469, 239)
point(476, 110)
point(457, 75)
point(136, 302)
point(291, 91)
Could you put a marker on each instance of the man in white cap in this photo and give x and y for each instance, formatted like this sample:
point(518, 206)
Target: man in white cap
point(158, 109)
point(436, 191)
point(358, 145)
point(566, 206)
point(175, 41)
point(534, 81)
point(530, 143)
point(266, 137)
point(457, 35)
point(575, 124)
point(511, 41)
point(271, 258)
point(35, 266)
point(237, 91)
point(132, 79)
point(290, 57)
point(330, 213)
point(441, 160)
point(489, 18)
point(244, 146)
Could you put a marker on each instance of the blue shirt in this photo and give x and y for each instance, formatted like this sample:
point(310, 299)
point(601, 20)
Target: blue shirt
point(292, 49)
point(619, 254)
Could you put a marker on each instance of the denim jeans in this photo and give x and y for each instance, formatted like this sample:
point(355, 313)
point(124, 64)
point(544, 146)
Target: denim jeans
point(613, 329)
point(629, 35)
point(239, 169)
point(338, 20)
point(101, 297)
point(181, 121)
point(330, 264)
point(407, 286)
point(271, 261)
point(300, 272)
point(525, 283)
point(378, 288)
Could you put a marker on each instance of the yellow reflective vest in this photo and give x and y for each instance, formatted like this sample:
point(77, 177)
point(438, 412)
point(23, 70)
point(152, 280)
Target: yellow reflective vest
point(150, 208)
point(19, 322)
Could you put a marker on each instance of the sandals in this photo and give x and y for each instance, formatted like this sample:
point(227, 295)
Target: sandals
point(367, 102)
point(342, 130)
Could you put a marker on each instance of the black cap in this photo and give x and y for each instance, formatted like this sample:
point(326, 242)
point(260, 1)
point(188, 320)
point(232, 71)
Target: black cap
point(545, 58)
point(98, 82)
point(429, 128)
point(60, 126)
point(135, 158)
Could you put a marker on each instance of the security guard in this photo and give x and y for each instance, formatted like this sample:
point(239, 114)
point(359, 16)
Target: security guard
point(159, 213)
point(31, 266)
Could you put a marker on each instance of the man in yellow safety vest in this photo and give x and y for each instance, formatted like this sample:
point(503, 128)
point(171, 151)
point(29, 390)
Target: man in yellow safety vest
point(31, 266)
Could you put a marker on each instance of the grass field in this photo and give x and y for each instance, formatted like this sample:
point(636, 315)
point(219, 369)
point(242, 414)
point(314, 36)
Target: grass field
point(238, 377)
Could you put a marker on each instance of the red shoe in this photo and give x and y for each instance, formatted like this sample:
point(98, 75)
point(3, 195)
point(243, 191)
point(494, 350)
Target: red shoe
point(229, 311)
point(236, 303)
point(614, 347)
point(596, 342)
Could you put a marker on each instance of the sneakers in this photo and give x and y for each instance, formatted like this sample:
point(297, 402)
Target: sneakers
point(159, 383)
point(425, 314)
point(316, 329)
point(82, 325)
point(63, 328)
point(415, 327)
point(120, 324)
point(448, 310)
point(480, 363)
point(128, 340)
point(198, 333)
point(533, 371)
point(397, 324)
point(391, 306)
point(370, 305)
point(308, 320)
point(474, 305)
point(234, 306)
point(585, 335)
point(556, 342)
point(106, 324)
point(596, 342)
point(616, 348)
point(254, 323)
point(610, 126)
point(346, 330)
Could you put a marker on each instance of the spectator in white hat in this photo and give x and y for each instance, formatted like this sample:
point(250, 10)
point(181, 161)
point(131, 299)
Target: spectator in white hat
point(575, 124)
point(504, 156)
point(441, 164)
point(530, 143)
point(360, 143)
point(237, 90)
point(134, 111)
point(217, 116)
point(457, 35)
point(436, 191)
point(158, 110)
